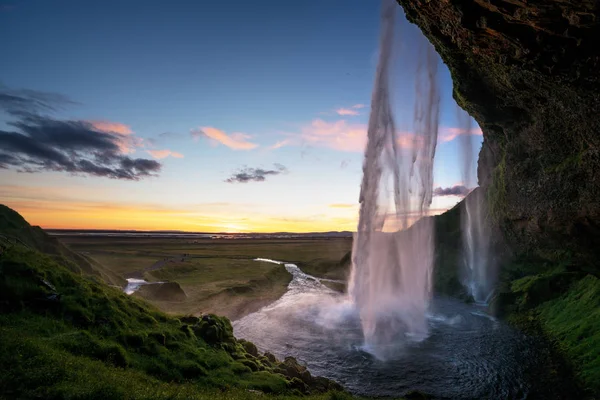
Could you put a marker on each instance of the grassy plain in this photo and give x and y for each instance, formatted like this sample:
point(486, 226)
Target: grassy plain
point(218, 275)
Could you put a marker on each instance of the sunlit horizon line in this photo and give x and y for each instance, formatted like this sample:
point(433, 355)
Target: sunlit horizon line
point(432, 213)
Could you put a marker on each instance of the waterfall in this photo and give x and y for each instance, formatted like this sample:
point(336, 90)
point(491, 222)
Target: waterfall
point(393, 250)
point(478, 265)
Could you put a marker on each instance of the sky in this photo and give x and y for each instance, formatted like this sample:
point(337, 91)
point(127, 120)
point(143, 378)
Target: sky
point(201, 116)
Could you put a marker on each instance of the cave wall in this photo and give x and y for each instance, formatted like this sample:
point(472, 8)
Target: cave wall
point(529, 73)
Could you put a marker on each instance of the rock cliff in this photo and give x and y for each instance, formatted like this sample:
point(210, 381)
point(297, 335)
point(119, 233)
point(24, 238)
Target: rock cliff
point(529, 73)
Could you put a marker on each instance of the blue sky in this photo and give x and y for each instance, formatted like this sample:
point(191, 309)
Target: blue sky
point(272, 82)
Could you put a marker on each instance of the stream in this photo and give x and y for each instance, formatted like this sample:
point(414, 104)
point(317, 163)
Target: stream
point(467, 354)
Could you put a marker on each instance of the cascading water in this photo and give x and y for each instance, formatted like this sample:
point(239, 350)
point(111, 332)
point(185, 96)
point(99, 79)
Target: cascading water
point(390, 282)
point(479, 275)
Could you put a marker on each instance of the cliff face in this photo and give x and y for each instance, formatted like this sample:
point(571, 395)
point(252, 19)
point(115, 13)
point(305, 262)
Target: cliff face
point(529, 73)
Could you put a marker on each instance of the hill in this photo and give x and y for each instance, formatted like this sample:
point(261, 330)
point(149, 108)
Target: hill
point(14, 229)
point(65, 334)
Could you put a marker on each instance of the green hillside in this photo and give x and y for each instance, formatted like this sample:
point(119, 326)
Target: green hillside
point(14, 229)
point(65, 334)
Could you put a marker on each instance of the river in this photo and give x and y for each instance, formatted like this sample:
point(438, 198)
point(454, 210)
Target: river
point(467, 354)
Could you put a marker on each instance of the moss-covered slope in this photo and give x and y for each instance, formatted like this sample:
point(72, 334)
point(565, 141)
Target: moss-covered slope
point(14, 229)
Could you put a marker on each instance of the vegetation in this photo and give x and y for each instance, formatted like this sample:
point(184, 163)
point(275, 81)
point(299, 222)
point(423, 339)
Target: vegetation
point(560, 303)
point(63, 335)
point(66, 334)
point(217, 276)
point(14, 229)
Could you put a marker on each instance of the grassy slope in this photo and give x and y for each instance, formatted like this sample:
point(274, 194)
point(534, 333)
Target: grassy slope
point(96, 342)
point(227, 287)
point(560, 303)
point(13, 227)
point(66, 334)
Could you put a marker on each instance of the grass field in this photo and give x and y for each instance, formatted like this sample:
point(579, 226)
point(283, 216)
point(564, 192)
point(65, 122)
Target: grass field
point(217, 275)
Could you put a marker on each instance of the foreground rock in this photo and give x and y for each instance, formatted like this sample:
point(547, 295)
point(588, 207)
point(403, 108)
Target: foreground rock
point(219, 332)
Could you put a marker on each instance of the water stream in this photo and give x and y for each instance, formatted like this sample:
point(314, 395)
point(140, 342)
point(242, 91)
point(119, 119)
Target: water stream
point(467, 355)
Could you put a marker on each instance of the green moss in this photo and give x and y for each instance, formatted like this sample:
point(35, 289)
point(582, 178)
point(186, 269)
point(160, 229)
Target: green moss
point(574, 321)
point(562, 306)
point(496, 193)
point(65, 336)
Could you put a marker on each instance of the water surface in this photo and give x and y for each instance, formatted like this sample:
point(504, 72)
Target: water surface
point(467, 355)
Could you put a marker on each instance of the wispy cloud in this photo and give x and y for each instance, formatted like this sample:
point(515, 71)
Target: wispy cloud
point(111, 127)
point(344, 164)
point(235, 141)
point(246, 174)
point(456, 190)
point(346, 111)
point(350, 110)
point(448, 134)
point(281, 143)
point(338, 135)
point(160, 154)
point(344, 136)
point(126, 138)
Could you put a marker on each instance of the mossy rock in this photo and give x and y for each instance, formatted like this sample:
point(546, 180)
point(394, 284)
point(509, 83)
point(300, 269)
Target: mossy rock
point(249, 347)
point(215, 330)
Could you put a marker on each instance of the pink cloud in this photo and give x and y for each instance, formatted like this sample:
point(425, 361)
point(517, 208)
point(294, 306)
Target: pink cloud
point(164, 154)
point(343, 136)
point(124, 137)
point(281, 143)
point(111, 127)
point(338, 135)
point(235, 141)
point(448, 134)
point(346, 111)
point(351, 110)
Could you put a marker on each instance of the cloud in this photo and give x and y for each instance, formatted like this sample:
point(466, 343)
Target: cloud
point(39, 143)
point(344, 164)
point(456, 190)
point(246, 174)
point(111, 127)
point(351, 110)
point(448, 134)
point(337, 135)
point(125, 137)
point(349, 137)
point(281, 144)
point(235, 141)
point(346, 111)
point(164, 154)
point(17, 102)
